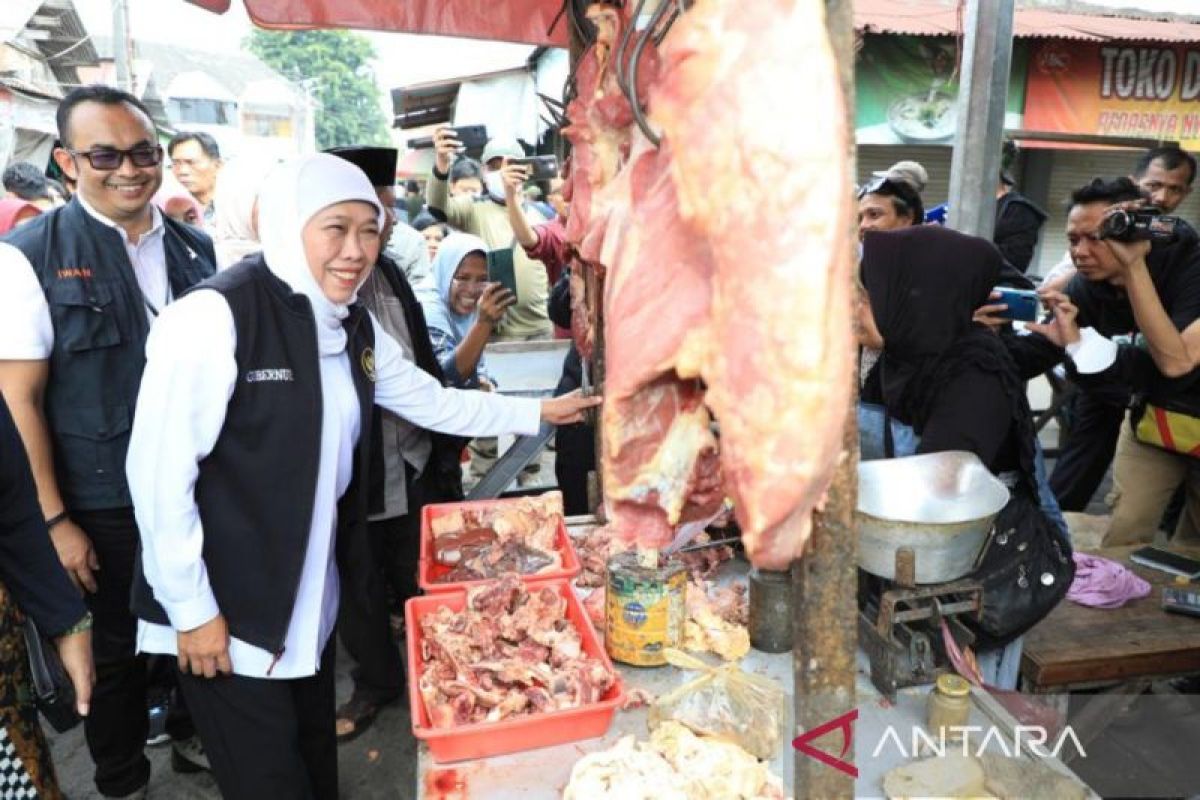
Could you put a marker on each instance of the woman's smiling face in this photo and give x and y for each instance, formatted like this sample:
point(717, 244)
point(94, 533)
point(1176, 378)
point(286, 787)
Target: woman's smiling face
point(468, 283)
point(341, 244)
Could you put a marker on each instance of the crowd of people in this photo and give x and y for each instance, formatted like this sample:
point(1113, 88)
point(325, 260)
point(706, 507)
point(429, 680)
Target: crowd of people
point(947, 369)
point(230, 386)
point(228, 390)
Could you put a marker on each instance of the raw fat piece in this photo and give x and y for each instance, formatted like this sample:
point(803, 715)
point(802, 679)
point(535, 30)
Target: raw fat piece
point(727, 275)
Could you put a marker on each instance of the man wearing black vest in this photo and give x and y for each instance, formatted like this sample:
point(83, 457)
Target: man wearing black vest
point(79, 288)
point(416, 467)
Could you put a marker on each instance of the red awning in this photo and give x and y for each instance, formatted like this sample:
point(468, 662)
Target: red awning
point(941, 18)
point(526, 21)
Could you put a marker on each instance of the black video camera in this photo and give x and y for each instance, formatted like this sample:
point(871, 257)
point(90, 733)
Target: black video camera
point(1139, 225)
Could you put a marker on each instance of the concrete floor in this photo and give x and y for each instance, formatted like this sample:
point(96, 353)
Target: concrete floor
point(378, 765)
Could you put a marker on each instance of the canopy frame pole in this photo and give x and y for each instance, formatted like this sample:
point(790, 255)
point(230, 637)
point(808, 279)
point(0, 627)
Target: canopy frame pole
point(979, 132)
point(824, 581)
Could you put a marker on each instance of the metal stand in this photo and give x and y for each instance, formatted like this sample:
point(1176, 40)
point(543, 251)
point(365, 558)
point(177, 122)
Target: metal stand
point(506, 469)
point(824, 580)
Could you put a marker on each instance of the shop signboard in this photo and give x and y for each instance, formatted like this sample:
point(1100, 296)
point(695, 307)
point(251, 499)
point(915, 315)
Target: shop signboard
point(906, 89)
point(1143, 90)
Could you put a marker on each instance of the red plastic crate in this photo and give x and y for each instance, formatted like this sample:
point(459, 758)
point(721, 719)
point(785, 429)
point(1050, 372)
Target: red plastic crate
point(528, 732)
point(429, 570)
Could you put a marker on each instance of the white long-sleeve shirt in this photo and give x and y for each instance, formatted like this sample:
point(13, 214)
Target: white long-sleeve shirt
point(190, 376)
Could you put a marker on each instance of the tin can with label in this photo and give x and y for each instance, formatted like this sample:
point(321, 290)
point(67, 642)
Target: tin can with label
point(644, 610)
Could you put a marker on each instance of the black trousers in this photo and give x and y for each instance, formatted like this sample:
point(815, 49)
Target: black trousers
point(1084, 460)
point(117, 725)
point(367, 634)
point(574, 458)
point(268, 738)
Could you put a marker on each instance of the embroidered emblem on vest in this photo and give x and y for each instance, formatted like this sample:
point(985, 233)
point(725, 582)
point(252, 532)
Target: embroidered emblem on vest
point(274, 375)
point(368, 364)
point(67, 273)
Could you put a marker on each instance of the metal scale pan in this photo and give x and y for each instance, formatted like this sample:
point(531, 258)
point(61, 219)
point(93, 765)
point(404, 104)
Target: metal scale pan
point(939, 505)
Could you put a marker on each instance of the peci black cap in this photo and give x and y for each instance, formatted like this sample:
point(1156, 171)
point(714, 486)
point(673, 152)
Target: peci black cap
point(379, 163)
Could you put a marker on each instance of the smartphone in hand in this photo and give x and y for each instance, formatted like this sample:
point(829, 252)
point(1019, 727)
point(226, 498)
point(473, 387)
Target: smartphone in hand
point(471, 137)
point(1023, 304)
point(541, 168)
point(502, 269)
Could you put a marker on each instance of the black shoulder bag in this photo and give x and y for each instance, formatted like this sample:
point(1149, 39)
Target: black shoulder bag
point(1025, 567)
point(53, 691)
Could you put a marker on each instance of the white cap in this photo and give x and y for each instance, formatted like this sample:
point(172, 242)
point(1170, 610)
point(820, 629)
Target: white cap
point(909, 172)
point(501, 148)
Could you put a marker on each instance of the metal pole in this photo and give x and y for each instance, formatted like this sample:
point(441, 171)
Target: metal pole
point(982, 97)
point(120, 18)
point(824, 581)
point(597, 363)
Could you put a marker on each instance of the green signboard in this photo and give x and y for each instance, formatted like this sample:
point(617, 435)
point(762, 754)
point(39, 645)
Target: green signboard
point(906, 88)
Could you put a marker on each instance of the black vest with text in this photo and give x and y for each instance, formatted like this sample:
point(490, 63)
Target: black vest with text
point(100, 328)
point(256, 489)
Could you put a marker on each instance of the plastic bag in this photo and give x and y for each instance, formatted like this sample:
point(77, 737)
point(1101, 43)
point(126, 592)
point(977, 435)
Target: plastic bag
point(748, 710)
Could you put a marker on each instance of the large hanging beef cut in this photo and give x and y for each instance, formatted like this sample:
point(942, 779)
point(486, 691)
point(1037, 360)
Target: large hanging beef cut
point(726, 271)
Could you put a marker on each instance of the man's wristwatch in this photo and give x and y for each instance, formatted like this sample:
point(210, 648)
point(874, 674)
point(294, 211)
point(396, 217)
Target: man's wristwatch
point(57, 518)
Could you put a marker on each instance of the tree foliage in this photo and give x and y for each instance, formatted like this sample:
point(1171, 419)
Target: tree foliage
point(335, 65)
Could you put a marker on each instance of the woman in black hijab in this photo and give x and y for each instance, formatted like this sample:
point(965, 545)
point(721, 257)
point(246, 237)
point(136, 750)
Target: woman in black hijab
point(952, 380)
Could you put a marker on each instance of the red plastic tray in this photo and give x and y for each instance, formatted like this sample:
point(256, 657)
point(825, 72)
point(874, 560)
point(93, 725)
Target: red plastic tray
point(429, 570)
point(529, 732)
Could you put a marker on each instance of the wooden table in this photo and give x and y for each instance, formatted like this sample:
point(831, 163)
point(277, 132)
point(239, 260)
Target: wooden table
point(1077, 647)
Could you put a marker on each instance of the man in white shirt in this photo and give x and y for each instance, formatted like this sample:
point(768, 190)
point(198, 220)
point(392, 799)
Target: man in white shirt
point(195, 161)
point(79, 287)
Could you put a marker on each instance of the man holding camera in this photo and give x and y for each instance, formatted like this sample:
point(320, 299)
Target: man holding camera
point(1165, 176)
point(1137, 271)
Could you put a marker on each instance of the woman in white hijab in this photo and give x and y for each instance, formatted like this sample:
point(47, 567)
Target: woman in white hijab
point(235, 209)
point(241, 459)
point(464, 309)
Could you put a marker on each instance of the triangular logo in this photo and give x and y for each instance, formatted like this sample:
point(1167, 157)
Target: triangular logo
point(844, 723)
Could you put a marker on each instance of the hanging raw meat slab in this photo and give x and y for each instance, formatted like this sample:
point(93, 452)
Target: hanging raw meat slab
point(727, 277)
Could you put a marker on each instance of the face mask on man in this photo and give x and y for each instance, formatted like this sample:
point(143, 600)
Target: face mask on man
point(493, 182)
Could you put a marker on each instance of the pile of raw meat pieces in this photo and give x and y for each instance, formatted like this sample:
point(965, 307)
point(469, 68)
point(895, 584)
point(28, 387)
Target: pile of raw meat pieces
point(512, 651)
point(490, 541)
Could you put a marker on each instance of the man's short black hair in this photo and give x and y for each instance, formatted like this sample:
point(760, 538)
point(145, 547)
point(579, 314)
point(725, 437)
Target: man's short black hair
point(904, 196)
point(97, 93)
point(207, 143)
point(1106, 190)
point(1171, 158)
point(466, 168)
point(25, 181)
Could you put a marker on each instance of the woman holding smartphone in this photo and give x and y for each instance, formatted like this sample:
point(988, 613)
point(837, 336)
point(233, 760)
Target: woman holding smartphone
point(464, 310)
